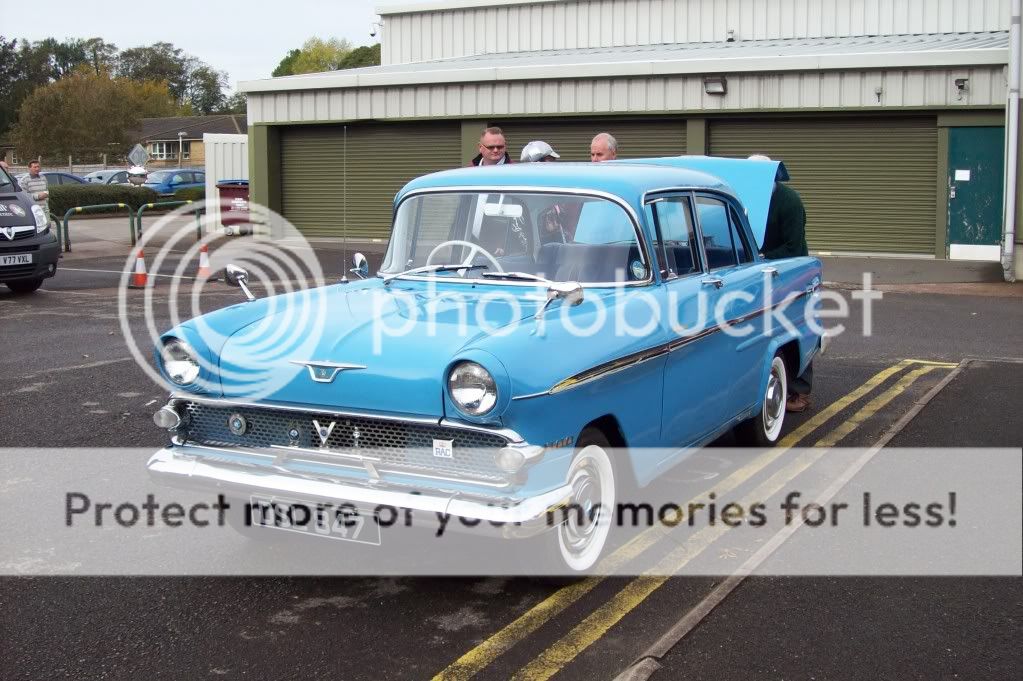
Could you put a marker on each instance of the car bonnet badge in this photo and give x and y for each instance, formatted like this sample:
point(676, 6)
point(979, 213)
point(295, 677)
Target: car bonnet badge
point(325, 372)
point(324, 431)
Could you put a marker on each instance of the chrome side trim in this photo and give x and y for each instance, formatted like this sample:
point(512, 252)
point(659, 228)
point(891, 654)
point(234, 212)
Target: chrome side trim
point(616, 365)
point(171, 467)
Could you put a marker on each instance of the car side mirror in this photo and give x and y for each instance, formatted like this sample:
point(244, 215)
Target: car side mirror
point(238, 277)
point(361, 266)
point(569, 291)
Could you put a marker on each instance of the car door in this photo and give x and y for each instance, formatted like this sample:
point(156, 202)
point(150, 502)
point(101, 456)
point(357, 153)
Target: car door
point(695, 384)
point(735, 286)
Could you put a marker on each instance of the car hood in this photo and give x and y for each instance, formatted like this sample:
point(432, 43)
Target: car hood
point(392, 345)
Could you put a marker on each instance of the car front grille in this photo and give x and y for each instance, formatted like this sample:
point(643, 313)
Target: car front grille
point(396, 446)
point(16, 270)
point(4, 248)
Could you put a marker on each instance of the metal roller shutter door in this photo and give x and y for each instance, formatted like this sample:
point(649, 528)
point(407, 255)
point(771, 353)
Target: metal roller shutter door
point(869, 184)
point(636, 139)
point(381, 159)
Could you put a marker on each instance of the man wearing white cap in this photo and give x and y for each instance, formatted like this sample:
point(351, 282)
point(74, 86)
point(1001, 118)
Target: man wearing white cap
point(538, 151)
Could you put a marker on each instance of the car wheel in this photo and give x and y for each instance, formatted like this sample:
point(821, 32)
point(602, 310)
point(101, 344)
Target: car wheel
point(23, 286)
point(764, 429)
point(579, 540)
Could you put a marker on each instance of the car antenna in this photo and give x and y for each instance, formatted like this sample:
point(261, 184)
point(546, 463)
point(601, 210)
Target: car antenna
point(344, 210)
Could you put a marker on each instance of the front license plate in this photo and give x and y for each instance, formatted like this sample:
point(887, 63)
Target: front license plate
point(332, 521)
point(16, 259)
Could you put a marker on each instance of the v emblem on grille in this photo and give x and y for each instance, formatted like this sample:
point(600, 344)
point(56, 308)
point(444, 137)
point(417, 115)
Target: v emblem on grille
point(324, 431)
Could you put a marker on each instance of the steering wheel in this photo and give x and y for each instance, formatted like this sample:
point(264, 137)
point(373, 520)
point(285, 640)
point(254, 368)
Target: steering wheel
point(473, 250)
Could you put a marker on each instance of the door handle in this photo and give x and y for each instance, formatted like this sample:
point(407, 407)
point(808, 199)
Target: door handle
point(716, 282)
point(773, 271)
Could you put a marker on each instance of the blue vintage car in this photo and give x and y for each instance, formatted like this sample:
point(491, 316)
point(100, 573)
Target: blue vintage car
point(535, 334)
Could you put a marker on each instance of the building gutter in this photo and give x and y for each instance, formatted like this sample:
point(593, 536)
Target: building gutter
point(1012, 146)
point(455, 71)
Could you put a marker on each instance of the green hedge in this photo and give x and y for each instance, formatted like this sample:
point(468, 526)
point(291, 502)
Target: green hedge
point(190, 194)
point(68, 196)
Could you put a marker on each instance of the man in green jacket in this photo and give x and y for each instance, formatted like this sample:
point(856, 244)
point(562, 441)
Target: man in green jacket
point(785, 237)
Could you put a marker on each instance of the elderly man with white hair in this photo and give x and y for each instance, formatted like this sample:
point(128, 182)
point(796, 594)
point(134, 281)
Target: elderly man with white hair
point(604, 147)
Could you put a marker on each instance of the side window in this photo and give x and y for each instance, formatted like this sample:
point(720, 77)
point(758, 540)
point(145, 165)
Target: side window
point(717, 233)
point(52, 180)
point(198, 177)
point(742, 248)
point(677, 236)
point(178, 178)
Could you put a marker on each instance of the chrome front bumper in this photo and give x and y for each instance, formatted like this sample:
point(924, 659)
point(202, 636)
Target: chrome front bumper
point(511, 516)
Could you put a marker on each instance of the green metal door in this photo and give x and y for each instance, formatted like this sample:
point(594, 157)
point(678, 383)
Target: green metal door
point(636, 138)
point(869, 184)
point(976, 164)
point(330, 178)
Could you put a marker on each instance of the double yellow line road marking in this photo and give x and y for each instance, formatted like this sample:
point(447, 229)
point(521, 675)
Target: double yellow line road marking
point(594, 626)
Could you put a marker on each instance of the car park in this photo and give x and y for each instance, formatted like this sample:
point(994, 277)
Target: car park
point(28, 247)
point(511, 408)
point(166, 182)
point(107, 177)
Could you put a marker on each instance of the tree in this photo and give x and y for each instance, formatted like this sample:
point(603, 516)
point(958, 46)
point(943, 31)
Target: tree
point(206, 89)
point(87, 113)
point(235, 104)
point(320, 55)
point(287, 65)
point(102, 55)
point(158, 62)
point(10, 73)
point(366, 55)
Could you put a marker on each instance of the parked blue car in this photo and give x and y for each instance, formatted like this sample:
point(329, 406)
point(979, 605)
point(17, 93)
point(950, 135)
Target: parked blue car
point(517, 400)
point(166, 182)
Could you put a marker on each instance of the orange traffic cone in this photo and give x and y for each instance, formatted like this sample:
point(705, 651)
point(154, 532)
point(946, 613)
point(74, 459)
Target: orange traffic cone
point(204, 265)
point(138, 277)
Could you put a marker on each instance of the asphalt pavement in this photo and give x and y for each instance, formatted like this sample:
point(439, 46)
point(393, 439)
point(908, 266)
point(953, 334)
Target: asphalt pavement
point(70, 382)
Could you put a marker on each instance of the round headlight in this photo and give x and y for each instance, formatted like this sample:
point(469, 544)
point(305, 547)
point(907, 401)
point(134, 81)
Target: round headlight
point(179, 362)
point(472, 388)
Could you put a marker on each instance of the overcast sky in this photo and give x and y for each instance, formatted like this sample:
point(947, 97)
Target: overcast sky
point(246, 38)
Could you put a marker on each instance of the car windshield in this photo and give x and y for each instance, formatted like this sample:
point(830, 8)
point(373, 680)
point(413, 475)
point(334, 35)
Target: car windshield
point(556, 237)
point(158, 176)
point(5, 178)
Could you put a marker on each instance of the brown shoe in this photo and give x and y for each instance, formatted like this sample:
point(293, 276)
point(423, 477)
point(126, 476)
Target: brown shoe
point(797, 403)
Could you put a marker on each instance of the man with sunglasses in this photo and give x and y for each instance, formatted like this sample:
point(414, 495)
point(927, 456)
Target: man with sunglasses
point(493, 149)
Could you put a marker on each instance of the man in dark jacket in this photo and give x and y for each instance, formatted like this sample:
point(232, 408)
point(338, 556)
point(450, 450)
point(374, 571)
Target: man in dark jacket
point(493, 149)
point(785, 237)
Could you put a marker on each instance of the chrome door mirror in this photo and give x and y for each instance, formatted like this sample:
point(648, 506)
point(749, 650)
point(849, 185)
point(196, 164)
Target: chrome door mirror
point(361, 266)
point(238, 277)
point(569, 291)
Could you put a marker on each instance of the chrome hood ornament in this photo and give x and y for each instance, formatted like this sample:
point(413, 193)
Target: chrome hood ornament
point(325, 372)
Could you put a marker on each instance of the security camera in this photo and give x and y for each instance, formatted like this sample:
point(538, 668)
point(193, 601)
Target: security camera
point(373, 33)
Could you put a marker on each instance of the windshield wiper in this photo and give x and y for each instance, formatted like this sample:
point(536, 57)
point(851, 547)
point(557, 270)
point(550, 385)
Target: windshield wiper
point(524, 276)
point(432, 268)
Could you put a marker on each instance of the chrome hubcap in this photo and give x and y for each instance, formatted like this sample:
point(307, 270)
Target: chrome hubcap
point(584, 512)
point(773, 403)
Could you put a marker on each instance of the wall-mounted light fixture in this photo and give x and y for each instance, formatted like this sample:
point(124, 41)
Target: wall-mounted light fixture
point(715, 85)
point(962, 87)
point(730, 36)
point(878, 91)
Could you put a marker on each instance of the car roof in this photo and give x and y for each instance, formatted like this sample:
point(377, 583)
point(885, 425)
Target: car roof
point(628, 182)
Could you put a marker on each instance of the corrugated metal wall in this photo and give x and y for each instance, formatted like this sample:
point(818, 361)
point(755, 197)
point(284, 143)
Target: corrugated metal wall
point(320, 191)
point(816, 90)
point(444, 34)
point(868, 184)
point(636, 139)
point(227, 158)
